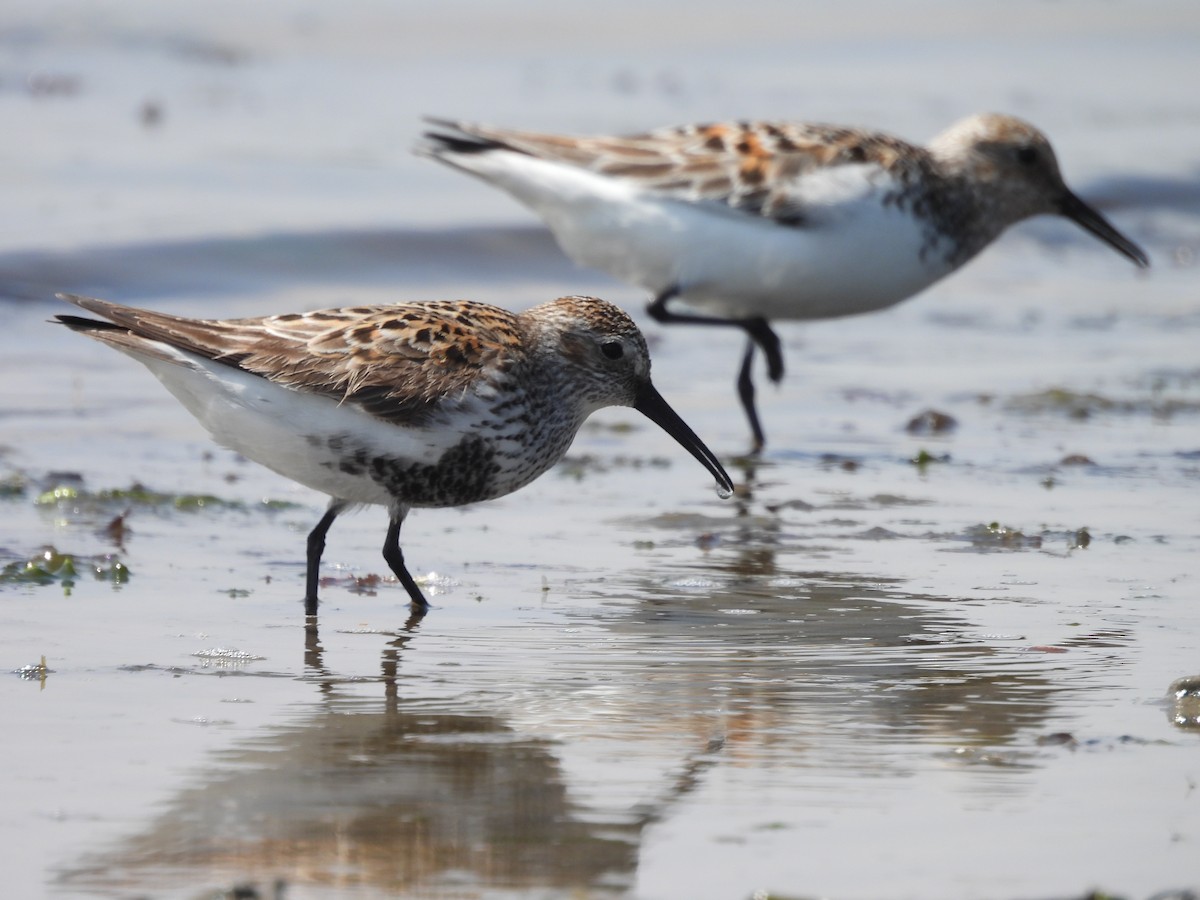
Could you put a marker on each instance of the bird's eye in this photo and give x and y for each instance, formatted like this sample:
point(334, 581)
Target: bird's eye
point(1027, 156)
point(612, 349)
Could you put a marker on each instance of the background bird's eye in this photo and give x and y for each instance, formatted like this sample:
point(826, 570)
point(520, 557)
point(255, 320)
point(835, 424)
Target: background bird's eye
point(612, 349)
point(1026, 155)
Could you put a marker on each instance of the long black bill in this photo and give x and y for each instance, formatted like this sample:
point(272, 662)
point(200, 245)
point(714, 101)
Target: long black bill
point(1088, 218)
point(650, 404)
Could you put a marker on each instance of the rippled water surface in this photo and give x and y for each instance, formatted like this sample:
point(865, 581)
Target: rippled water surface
point(897, 664)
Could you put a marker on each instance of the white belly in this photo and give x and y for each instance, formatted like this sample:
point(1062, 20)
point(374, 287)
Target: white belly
point(290, 432)
point(851, 255)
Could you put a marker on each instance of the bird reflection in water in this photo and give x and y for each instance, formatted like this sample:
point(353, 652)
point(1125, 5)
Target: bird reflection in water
point(392, 794)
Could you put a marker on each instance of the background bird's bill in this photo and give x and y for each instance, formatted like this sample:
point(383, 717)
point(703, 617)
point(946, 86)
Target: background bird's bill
point(1089, 219)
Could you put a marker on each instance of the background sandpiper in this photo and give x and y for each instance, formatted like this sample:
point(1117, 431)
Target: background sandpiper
point(751, 221)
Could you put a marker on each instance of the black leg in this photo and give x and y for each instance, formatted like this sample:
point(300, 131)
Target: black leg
point(658, 306)
point(745, 386)
point(316, 546)
point(659, 312)
point(395, 559)
point(757, 328)
point(760, 332)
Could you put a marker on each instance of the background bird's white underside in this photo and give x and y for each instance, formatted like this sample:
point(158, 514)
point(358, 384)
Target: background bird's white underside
point(852, 255)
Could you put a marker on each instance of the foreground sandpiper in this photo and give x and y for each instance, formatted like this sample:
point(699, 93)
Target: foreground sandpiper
point(751, 221)
point(412, 405)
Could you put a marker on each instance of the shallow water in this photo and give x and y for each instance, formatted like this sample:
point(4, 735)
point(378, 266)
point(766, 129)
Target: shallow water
point(864, 676)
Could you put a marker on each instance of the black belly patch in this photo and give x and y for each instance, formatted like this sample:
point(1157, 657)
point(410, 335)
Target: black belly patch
point(465, 473)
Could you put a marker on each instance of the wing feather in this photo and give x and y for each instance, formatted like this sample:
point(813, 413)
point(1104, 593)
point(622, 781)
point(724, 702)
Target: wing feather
point(755, 168)
point(396, 362)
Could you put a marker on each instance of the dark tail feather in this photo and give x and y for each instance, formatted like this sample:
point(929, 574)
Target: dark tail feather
point(79, 323)
point(452, 138)
point(449, 143)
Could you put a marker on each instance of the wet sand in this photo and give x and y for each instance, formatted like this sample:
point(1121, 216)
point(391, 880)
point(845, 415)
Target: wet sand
point(895, 665)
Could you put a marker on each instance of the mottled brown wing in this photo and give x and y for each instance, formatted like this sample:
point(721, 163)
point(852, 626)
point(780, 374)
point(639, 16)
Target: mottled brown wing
point(752, 167)
point(397, 362)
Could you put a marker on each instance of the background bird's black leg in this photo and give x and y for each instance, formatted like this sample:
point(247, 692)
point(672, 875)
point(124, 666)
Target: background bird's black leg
point(757, 328)
point(659, 312)
point(658, 306)
point(760, 332)
point(745, 386)
point(316, 546)
point(395, 558)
